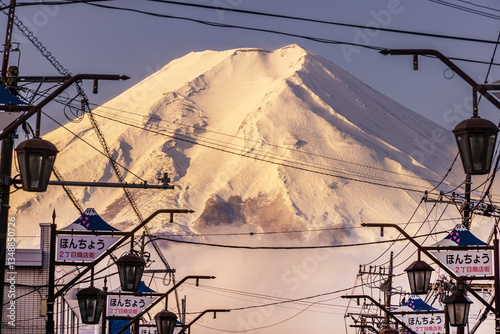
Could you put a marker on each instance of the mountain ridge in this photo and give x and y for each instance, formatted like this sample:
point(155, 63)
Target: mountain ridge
point(253, 138)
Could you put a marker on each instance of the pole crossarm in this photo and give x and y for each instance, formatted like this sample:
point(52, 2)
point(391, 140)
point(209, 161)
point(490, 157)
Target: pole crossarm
point(365, 326)
point(185, 327)
point(115, 246)
point(142, 185)
point(389, 313)
point(482, 89)
point(10, 128)
point(137, 317)
point(435, 260)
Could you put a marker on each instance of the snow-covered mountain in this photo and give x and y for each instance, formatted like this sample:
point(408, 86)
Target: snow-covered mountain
point(254, 141)
point(267, 140)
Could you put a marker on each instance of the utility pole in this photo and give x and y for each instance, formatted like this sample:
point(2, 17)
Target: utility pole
point(388, 291)
point(5, 164)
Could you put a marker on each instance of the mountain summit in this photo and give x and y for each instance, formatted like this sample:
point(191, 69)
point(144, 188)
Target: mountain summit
point(261, 140)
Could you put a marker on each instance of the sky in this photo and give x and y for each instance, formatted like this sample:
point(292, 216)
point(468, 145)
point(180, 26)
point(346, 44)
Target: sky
point(88, 39)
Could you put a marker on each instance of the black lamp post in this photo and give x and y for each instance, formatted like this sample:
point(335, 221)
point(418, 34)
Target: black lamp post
point(419, 276)
point(130, 269)
point(165, 322)
point(91, 301)
point(476, 139)
point(36, 158)
point(457, 307)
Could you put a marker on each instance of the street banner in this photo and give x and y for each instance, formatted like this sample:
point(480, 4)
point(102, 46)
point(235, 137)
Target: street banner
point(425, 323)
point(470, 263)
point(126, 305)
point(82, 248)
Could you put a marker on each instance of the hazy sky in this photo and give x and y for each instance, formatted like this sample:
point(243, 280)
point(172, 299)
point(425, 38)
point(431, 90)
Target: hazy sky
point(89, 39)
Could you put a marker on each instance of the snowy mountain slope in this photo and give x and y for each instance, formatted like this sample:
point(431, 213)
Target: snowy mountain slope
point(264, 140)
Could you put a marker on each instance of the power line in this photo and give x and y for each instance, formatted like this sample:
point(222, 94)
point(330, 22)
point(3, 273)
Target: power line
point(478, 5)
point(315, 39)
point(466, 9)
point(283, 164)
point(273, 15)
point(92, 146)
point(289, 247)
point(161, 120)
point(265, 154)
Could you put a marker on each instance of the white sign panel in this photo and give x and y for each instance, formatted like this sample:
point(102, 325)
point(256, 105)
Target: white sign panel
point(147, 330)
point(467, 262)
point(425, 323)
point(127, 306)
point(82, 248)
point(152, 330)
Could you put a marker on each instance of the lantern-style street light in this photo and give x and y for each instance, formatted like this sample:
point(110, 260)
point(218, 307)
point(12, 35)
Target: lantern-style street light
point(476, 139)
point(130, 269)
point(91, 301)
point(457, 307)
point(388, 331)
point(36, 158)
point(165, 322)
point(419, 276)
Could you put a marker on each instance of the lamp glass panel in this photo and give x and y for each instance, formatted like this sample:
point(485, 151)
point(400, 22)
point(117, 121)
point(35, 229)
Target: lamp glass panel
point(451, 313)
point(462, 147)
point(47, 168)
point(22, 166)
point(491, 147)
point(477, 150)
point(458, 313)
point(461, 313)
point(130, 276)
point(411, 279)
point(35, 161)
point(419, 280)
point(90, 309)
point(165, 325)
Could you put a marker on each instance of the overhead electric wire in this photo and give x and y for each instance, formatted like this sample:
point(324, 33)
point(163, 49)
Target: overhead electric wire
point(265, 154)
point(297, 18)
point(478, 5)
point(89, 144)
point(278, 303)
point(253, 153)
point(412, 254)
point(257, 295)
point(161, 120)
point(286, 247)
point(229, 234)
point(50, 3)
point(266, 14)
point(193, 141)
point(466, 9)
point(315, 39)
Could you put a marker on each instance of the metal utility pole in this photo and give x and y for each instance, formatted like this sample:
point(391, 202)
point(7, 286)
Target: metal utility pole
point(5, 164)
point(388, 292)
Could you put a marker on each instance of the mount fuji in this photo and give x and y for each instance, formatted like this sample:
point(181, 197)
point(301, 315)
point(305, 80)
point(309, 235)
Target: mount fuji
point(277, 140)
point(281, 145)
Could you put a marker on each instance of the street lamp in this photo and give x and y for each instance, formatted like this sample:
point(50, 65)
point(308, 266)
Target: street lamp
point(130, 269)
point(36, 158)
point(419, 276)
point(91, 301)
point(457, 307)
point(476, 142)
point(165, 322)
point(388, 331)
